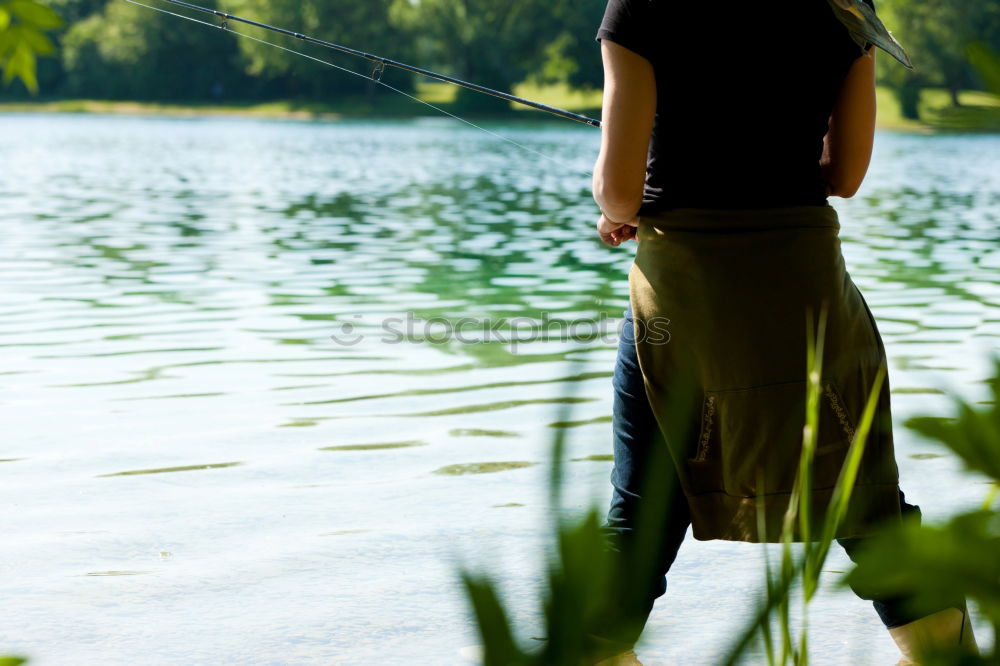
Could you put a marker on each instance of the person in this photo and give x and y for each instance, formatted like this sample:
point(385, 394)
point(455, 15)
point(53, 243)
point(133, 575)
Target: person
point(725, 128)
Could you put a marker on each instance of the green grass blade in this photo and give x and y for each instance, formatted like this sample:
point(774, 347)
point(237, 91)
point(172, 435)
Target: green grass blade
point(499, 648)
point(844, 488)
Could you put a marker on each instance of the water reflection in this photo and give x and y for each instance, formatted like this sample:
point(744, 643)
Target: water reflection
point(181, 468)
point(374, 447)
point(483, 467)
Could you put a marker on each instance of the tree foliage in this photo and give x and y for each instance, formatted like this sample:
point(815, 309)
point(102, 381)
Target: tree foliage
point(76, 10)
point(573, 55)
point(126, 51)
point(112, 49)
point(495, 43)
point(937, 34)
point(364, 26)
point(23, 24)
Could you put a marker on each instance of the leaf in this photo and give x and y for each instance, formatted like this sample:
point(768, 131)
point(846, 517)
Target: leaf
point(499, 648)
point(842, 491)
point(36, 14)
point(864, 25)
point(12, 661)
point(37, 41)
point(580, 600)
point(935, 566)
point(22, 65)
point(974, 434)
point(8, 73)
point(7, 42)
point(4, 22)
point(987, 64)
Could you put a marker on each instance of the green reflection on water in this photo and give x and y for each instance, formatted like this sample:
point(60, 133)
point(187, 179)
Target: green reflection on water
point(343, 532)
point(457, 389)
point(478, 432)
point(373, 447)
point(583, 422)
point(162, 470)
point(493, 406)
point(482, 467)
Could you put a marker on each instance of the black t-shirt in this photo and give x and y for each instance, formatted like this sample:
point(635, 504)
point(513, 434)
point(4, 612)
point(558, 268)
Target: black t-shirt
point(744, 94)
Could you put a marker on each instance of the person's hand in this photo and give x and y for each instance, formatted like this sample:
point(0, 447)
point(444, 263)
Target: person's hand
point(616, 233)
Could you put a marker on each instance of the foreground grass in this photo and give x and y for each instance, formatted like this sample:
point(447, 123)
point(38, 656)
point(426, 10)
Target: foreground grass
point(980, 110)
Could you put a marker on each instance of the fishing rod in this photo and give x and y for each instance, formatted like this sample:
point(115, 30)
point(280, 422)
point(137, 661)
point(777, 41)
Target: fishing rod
point(381, 63)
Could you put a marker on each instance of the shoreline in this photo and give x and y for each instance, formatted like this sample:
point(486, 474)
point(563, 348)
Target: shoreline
point(270, 111)
point(980, 111)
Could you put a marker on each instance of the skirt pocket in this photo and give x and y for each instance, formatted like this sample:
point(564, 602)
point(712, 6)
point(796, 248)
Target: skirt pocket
point(747, 431)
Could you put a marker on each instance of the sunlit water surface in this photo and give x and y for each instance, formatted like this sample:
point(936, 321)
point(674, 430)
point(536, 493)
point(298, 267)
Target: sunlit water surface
point(195, 471)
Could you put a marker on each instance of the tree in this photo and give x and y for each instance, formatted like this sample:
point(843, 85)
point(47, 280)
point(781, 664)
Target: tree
point(575, 56)
point(936, 33)
point(362, 25)
point(76, 10)
point(129, 52)
point(23, 24)
point(494, 43)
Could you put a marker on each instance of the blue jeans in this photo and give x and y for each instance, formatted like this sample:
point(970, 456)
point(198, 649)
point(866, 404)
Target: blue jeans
point(651, 522)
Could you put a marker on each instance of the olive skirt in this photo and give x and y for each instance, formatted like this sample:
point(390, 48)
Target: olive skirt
point(721, 301)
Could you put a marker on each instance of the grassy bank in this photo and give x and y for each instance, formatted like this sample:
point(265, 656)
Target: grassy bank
point(979, 111)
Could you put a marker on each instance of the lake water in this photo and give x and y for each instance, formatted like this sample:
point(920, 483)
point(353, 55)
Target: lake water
point(218, 447)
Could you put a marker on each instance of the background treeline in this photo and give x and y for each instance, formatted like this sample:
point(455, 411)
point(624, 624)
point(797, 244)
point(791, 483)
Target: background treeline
point(110, 49)
point(938, 34)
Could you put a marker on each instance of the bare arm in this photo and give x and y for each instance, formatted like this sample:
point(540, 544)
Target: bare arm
point(847, 146)
point(628, 109)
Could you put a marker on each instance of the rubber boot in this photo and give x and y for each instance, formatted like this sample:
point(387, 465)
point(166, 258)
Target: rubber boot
point(627, 658)
point(948, 627)
point(610, 652)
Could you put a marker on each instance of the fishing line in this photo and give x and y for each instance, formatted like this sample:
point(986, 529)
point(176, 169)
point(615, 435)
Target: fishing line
point(379, 81)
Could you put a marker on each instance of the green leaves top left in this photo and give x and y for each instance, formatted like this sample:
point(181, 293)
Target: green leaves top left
point(23, 24)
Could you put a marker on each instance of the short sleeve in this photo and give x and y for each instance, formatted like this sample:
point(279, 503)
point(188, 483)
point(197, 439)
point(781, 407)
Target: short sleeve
point(627, 23)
